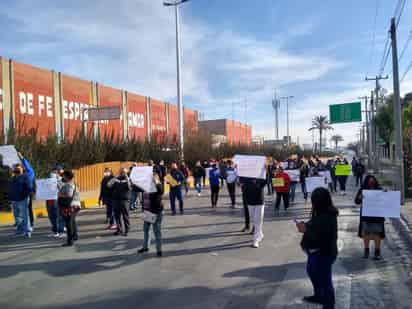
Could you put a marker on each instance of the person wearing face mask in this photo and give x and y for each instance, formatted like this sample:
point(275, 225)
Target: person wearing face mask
point(29, 171)
point(53, 211)
point(20, 189)
point(121, 187)
point(175, 180)
point(105, 198)
point(370, 228)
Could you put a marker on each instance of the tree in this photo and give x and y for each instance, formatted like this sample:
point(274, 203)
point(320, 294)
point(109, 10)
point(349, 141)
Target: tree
point(320, 123)
point(336, 139)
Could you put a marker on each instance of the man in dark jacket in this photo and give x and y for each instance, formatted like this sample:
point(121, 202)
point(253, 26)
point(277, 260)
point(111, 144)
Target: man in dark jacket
point(198, 174)
point(121, 199)
point(20, 189)
point(359, 172)
point(256, 203)
point(105, 197)
point(175, 181)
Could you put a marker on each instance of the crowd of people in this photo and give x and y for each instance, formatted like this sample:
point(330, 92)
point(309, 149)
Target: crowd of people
point(120, 195)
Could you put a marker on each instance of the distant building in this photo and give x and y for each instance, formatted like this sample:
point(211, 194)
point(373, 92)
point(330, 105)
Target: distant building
point(258, 140)
point(236, 133)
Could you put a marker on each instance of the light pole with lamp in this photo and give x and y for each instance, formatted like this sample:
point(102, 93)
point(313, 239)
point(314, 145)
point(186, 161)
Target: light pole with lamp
point(179, 80)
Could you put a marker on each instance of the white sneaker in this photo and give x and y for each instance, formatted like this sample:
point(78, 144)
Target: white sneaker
point(255, 244)
point(199, 194)
point(51, 235)
point(57, 235)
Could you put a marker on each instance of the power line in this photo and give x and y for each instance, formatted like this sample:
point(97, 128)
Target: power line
point(401, 4)
point(407, 71)
point(385, 57)
point(406, 45)
point(374, 34)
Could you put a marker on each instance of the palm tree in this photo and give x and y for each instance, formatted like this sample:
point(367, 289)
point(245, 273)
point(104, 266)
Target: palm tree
point(320, 123)
point(336, 139)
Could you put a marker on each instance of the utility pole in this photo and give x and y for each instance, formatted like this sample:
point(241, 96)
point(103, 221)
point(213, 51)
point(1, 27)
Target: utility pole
point(276, 106)
point(367, 147)
point(287, 116)
point(176, 5)
point(397, 112)
point(373, 148)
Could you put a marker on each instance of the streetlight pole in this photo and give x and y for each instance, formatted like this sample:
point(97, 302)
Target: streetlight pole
point(287, 116)
point(179, 79)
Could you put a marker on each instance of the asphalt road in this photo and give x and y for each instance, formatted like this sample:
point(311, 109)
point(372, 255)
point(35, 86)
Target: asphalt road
point(207, 263)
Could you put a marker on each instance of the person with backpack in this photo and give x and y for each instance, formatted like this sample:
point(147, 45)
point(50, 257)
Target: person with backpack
point(121, 187)
point(231, 178)
point(214, 181)
point(153, 216)
point(198, 174)
point(105, 198)
point(69, 204)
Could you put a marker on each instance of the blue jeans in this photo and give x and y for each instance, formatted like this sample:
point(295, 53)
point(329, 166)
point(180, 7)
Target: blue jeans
point(319, 269)
point(292, 191)
point(176, 193)
point(21, 210)
point(305, 193)
point(133, 200)
point(157, 232)
point(55, 218)
point(198, 184)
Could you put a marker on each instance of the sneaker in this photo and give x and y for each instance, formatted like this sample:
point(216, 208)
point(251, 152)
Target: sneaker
point(57, 235)
point(312, 299)
point(143, 250)
point(113, 227)
point(246, 230)
point(28, 235)
point(52, 235)
point(255, 244)
point(199, 195)
point(159, 254)
point(366, 253)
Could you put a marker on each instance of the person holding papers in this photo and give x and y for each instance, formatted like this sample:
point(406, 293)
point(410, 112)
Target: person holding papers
point(370, 228)
point(281, 184)
point(254, 194)
point(175, 179)
point(152, 205)
point(231, 177)
point(319, 241)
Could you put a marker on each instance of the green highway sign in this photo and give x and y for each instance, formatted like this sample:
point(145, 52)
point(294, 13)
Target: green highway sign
point(347, 112)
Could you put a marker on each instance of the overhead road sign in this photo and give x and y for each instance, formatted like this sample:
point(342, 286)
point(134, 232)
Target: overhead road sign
point(344, 113)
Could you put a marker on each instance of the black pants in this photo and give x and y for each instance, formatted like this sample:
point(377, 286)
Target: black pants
point(31, 211)
point(71, 227)
point(215, 194)
point(359, 178)
point(222, 182)
point(334, 184)
point(204, 181)
point(342, 182)
point(245, 211)
point(270, 188)
point(231, 187)
point(285, 196)
point(121, 212)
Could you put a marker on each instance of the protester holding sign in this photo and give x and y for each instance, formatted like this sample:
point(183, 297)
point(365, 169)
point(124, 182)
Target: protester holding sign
point(281, 184)
point(370, 228)
point(153, 216)
point(53, 211)
point(231, 177)
point(342, 171)
point(254, 195)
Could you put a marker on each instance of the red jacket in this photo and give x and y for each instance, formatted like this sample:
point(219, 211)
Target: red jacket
point(286, 180)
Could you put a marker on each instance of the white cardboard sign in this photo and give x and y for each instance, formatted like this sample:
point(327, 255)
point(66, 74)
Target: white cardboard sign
point(381, 204)
point(46, 189)
point(250, 166)
point(10, 156)
point(142, 176)
point(293, 174)
point(327, 175)
point(315, 182)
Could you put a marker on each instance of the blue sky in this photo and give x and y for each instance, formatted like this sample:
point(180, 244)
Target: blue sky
point(233, 51)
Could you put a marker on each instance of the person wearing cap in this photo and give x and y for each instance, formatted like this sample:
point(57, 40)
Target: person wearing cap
point(53, 211)
point(20, 188)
